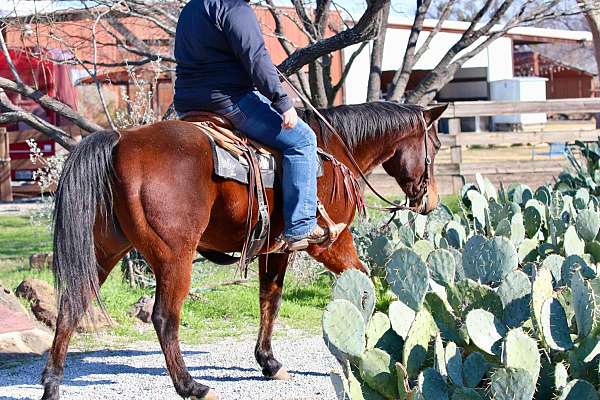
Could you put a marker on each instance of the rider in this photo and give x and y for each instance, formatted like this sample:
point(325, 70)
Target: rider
point(223, 66)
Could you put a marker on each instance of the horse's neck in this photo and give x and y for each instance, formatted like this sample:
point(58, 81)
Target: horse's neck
point(374, 151)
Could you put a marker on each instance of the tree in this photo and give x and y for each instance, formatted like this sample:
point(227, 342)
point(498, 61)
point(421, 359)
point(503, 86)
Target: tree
point(489, 20)
point(111, 29)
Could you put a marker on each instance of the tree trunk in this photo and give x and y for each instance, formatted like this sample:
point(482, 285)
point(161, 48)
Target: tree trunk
point(317, 86)
point(374, 84)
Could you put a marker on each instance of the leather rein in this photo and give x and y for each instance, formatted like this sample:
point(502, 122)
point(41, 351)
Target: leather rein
point(391, 206)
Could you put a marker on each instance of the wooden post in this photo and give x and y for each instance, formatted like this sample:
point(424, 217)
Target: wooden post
point(455, 153)
point(5, 187)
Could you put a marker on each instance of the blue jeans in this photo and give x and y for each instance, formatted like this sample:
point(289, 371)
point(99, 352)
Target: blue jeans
point(253, 115)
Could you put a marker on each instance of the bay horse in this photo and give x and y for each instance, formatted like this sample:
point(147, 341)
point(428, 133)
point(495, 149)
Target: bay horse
point(153, 188)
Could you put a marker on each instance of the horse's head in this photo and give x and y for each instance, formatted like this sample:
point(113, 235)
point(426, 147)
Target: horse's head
point(412, 163)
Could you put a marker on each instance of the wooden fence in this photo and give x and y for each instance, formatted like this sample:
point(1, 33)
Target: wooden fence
point(456, 140)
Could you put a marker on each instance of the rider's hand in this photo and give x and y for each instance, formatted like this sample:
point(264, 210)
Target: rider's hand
point(290, 118)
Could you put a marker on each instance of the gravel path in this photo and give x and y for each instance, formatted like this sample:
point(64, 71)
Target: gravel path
point(139, 373)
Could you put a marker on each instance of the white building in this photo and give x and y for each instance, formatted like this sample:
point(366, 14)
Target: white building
point(472, 82)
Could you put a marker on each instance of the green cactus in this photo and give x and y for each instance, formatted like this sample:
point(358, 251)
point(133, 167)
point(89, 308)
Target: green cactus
point(504, 228)
point(515, 293)
point(436, 220)
point(440, 356)
point(455, 234)
point(517, 229)
point(408, 277)
point(578, 389)
point(442, 266)
point(378, 371)
point(587, 224)
point(541, 290)
point(593, 249)
point(453, 356)
point(376, 328)
point(573, 263)
point(444, 318)
point(572, 243)
point(479, 205)
point(557, 204)
point(474, 369)
point(485, 330)
point(520, 351)
point(586, 303)
point(423, 248)
point(417, 342)
point(380, 250)
point(401, 318)
point(467, 295)
point(561, 376)
point(511, 384)
point(582, 198)
point(543, 195)
point(432, 385)
point(403, 386)
point(521, 194)
point(555, 328)
point(465, 394)
point(532, 220)
point(406, 236)
point(528, 250)
point(344, 328)
point(489, 260)
point(357, 288)
point(554, 264)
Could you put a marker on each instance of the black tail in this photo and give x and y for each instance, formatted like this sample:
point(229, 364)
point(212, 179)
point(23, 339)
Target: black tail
point(84, 193)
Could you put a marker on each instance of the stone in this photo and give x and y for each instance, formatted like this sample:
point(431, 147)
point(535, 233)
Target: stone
point(40, 260)
point(44, 306)
point(10, 301)
point(34, 341)
point(143, 309)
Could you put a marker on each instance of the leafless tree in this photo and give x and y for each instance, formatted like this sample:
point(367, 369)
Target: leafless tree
point(489, 20)
point(106, 25)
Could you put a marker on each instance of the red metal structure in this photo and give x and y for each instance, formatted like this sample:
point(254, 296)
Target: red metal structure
point(37, 69)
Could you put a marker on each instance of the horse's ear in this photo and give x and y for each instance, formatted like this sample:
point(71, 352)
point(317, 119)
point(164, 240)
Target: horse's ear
point(432, 113)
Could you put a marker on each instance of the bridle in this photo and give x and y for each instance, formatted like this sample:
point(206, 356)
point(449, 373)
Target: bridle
point(391, 206)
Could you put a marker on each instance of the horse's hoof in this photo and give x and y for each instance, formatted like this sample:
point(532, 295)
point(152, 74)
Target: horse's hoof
point(282, 375)
point(211, 395)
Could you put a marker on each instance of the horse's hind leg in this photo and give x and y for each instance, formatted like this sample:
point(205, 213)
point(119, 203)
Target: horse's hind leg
point(272, 269)
point(112, 246)
point(172, 287)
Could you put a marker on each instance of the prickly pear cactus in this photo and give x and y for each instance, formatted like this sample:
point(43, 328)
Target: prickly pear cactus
point(579, 389)
point(519, 350)
point(555, 328)
point(511, 384)
point(515, 293)
point(344, 328)
point(357, 288)
point(378, 371)
point(442, 266)
point(408, 277)
point(401, 318)
point(485, 330)
point(489, 260)
point(587, 224)
point(421, 331)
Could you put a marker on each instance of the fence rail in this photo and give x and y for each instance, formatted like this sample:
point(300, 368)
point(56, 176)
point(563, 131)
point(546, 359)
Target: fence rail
point(457, 170)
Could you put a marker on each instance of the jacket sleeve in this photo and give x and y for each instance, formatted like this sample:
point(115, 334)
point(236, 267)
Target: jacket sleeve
point(245, 39)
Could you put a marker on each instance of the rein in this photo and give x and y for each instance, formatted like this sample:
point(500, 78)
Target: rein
point(392, 207)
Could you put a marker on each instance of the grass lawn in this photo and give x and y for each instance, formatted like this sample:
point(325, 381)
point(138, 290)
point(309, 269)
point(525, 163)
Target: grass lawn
point(215, 311)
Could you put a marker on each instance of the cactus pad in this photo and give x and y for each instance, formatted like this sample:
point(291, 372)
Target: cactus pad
point(515, 293)
point(587, 224)
point(585, 304)
point(417, 342)
point(561, 375)
point(572, 243)
point(344, 328)
point(511, 384)
point(377, 327)
point(474, 369)
point(357, 288)
point(488, 261)
point(378, 371)
point(532, 220)
point(408, 277)
point(578, 389)
point(442, 266)
point(432, 385)
point(541, 290)
point(401, 318)
point(520, 351)
point(555, 329)
point(465, 394)
point(485, 330)
point(454, 366)
point(554, 263)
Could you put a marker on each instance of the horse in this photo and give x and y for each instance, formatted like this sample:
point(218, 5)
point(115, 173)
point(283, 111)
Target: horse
point(152, 188)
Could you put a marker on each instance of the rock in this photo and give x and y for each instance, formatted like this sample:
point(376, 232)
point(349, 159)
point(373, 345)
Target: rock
point(10, 301)
point(44, 306)
point(35, 290)
point(40, 260)
point(143, 309)
point(32, 341)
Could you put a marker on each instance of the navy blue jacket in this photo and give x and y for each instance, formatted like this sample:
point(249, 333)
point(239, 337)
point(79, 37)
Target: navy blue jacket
point(221, 55)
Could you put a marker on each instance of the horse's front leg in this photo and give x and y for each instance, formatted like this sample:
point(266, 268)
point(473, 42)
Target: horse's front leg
point(340, 256)
point(272, 269)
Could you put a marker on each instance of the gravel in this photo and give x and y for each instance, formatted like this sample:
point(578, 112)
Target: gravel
point(139, 372)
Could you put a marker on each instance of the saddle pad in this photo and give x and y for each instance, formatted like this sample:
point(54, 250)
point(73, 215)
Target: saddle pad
point(231, 166)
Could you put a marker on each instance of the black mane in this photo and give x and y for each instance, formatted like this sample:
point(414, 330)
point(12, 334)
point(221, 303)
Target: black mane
point(359, 122)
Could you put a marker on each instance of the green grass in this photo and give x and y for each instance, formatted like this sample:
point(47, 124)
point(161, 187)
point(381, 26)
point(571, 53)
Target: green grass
point(18, 237)
point(215, 311)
